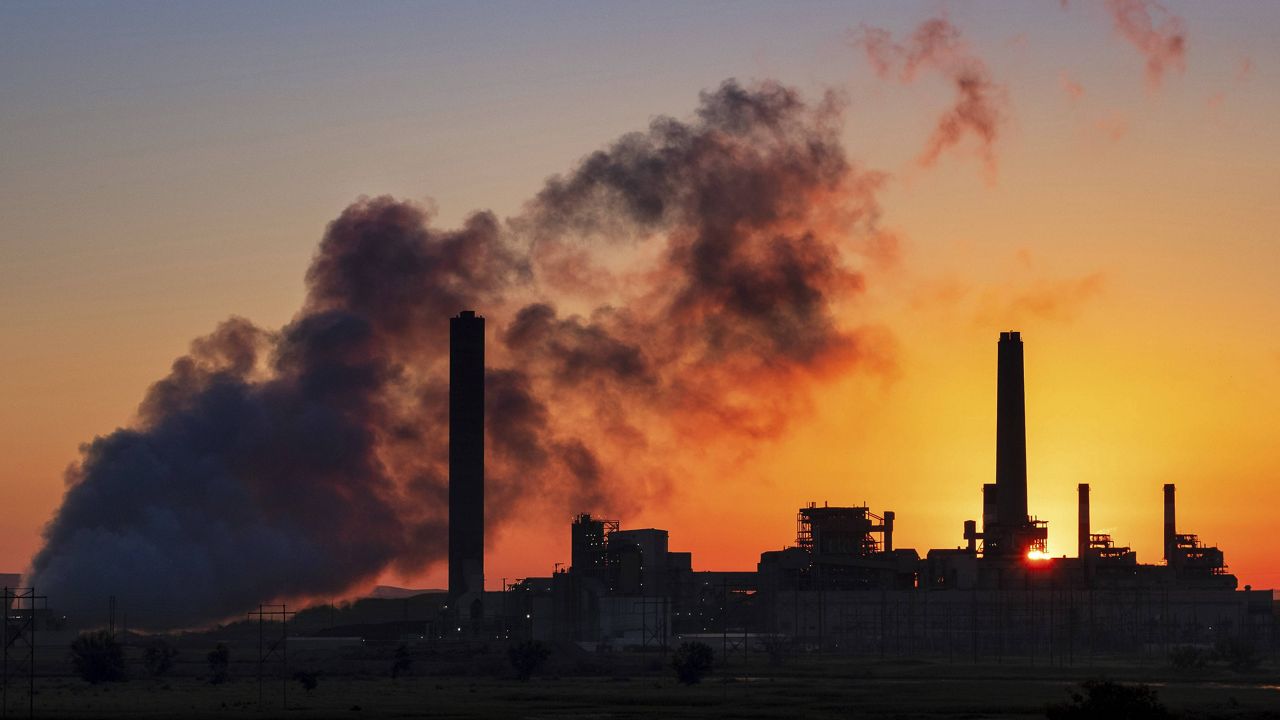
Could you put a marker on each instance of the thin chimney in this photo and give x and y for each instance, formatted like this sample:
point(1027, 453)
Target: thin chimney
point(1082, 539)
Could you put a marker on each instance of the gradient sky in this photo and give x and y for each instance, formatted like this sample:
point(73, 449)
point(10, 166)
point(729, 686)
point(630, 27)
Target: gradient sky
point(164, 166)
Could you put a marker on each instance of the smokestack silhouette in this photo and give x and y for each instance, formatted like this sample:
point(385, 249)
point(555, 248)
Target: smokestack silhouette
point(1082, 539)
point(1170, 525)
point(1011, 434)
point(466, 454)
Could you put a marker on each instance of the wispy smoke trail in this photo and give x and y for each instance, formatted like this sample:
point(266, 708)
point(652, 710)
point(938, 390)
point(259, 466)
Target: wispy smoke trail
point(1158, 34)
point(937, 45)
point(305, 461)
point(1071, 87)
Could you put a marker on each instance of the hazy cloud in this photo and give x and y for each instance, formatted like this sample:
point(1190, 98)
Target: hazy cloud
point(1155, 32)
point(937, 46)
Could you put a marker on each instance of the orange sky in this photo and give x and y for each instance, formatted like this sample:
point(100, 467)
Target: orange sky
point(1128, 231)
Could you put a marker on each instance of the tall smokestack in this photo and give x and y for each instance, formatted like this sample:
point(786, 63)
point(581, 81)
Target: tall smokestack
point(1082, 539)
point(1170, 531)
point(1011, 434)
point(466, 454)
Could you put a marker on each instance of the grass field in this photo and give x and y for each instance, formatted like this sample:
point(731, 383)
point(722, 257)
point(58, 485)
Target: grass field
point(803, 688)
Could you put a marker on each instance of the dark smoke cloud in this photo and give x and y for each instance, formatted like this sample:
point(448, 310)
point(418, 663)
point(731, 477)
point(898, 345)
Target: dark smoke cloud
point(937, 45)
point(303, 462)
point(230, 486)
point(580, 351)
point(381, 260)
point(753, 198)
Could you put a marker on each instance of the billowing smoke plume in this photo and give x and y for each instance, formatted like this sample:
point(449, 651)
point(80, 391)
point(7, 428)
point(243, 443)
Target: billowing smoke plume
point(679, 287)
point(937, 45)
point(1158, 34)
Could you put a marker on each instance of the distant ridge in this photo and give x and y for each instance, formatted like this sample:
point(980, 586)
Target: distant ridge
point(390, 592)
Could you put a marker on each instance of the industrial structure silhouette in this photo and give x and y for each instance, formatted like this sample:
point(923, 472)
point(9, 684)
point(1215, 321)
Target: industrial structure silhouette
point(466, 454)
point(844, 584)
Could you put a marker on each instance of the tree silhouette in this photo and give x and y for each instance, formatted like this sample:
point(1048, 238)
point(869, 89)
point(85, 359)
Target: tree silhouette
point(158, 657)
point(219, 664)
point(692, 661)
point(98, 657)
point(1095, 699)
point(527, 657)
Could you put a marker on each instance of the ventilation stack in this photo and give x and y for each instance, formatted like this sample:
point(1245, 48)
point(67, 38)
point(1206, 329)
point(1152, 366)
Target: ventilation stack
point(971, 535)
point(466, 454)
point(1082, 539)
point(989, 520)
point(1170, 531)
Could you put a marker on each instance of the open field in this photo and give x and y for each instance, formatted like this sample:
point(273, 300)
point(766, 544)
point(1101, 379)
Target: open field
point(808, 687)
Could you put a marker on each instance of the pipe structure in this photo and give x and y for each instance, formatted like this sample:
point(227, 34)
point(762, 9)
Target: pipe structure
point(990, 511)
point(1082, 538)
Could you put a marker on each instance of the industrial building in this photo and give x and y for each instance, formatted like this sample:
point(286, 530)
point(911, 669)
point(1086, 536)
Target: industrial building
point(844, 585)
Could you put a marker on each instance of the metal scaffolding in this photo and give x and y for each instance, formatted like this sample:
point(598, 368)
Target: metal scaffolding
point(273, 651)
point(19, 640)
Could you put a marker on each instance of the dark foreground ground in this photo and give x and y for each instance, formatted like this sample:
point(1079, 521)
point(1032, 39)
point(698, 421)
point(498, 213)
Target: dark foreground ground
point(805, 688)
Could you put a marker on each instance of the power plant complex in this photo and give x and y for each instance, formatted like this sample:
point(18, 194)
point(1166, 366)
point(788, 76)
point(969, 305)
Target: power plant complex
point(844, 585)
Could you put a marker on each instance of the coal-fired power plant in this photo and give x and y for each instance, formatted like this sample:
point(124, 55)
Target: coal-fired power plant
point(466, 455)
point(844, 583)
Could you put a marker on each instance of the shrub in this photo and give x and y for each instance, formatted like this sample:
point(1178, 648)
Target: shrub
point(219, 664)
point(403, 662)
point(158, 657)
point(527, 657)
point(1239, 654)
point(308, 680)
point(1188, 657)
point(777, 648)
point(692, 661)
point(1095, 699)
point(98, 657)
